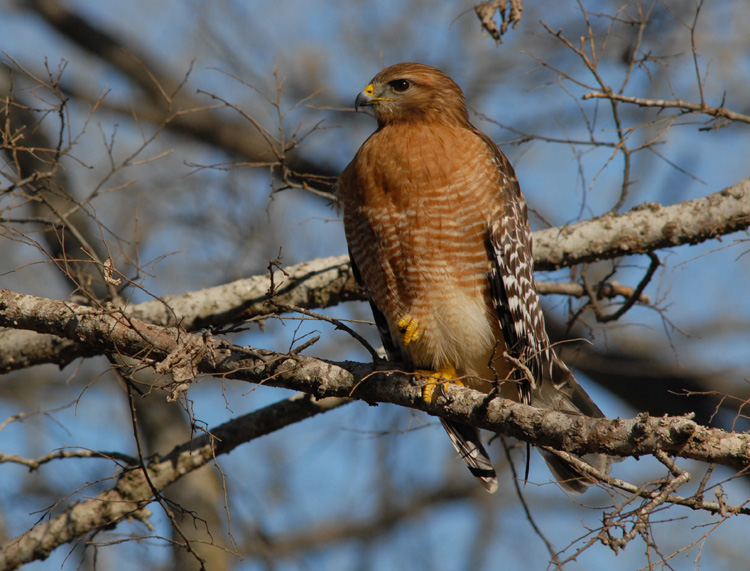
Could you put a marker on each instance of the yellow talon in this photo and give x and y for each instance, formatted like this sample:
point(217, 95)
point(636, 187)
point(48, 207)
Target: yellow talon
point(409, 325)
point(437, 379)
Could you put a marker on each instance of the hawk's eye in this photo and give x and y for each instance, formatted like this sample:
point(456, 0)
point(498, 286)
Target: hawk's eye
point(399, 84)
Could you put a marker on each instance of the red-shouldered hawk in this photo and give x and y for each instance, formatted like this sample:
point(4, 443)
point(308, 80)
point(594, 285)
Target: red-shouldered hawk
point(439, 237)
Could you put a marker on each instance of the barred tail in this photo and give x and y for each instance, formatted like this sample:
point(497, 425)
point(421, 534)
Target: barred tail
point(466, 440)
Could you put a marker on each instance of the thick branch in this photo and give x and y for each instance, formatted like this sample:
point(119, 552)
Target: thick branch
point(646, 228)
point(323, 282)
point(326, 281)
point(133, 492)
point(319, 283)
point(186, 355)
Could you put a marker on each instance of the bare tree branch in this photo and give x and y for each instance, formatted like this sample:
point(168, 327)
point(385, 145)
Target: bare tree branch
point(327, 281)
point(193, 118)
point(104, 211)
point(684, 106)
point(646, 228)
point(184, 356)
point(132, 491)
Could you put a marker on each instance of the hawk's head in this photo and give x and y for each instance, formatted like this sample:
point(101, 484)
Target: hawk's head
point(413, 92)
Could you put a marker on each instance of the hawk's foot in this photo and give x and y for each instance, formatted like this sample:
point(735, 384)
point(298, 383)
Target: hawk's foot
point(437, 382)
point(409, 326)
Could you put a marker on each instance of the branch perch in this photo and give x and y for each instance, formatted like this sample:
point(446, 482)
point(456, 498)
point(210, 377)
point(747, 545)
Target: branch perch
point(327, 281)
point(327, 385)
point(113, 332)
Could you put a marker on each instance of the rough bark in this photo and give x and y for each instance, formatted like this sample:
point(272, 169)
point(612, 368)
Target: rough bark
point(184, 356)
point(646, 228)
point(134, 490)
point(326, 385)
point(327, 281)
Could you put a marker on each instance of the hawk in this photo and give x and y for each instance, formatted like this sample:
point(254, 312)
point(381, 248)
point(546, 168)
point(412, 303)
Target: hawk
point(439, 237)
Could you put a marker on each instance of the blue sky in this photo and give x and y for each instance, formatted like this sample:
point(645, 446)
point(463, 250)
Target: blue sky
point(337, 48)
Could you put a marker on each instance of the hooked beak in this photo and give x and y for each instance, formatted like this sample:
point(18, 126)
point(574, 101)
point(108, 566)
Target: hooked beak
point(366, 98)
point(363, 99)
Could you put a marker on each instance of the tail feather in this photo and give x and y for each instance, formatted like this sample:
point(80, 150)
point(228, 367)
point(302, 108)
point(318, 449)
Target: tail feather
point(571, 478)
point(468, 444)
point(564, 393)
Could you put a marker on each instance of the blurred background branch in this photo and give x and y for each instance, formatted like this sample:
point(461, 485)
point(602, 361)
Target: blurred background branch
point(143, 154)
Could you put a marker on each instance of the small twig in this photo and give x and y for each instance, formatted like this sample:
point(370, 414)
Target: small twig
point(655, 263)
point(694, 502)
point(35, 463)
point(306, 345)
point(608, 289)
point(684, 106)
point(550, 548)
point(630, 301)
point(643, 513)
point(155, 491)
point(335, 322)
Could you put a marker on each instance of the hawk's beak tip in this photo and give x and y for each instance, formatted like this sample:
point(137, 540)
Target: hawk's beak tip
point(363, 100)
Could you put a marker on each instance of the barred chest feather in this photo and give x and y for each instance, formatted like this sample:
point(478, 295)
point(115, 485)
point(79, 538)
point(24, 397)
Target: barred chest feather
point(422, 246)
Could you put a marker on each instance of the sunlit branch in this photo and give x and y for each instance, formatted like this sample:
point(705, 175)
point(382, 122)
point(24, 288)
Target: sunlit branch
point(327, 281)
point(186, 356)
point(132, 492)
point(684, 106)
